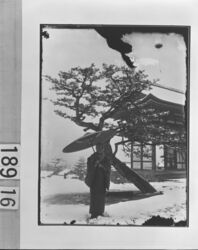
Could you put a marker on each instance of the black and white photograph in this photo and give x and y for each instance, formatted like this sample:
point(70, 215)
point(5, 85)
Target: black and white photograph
point(98, 131)
point(114, 125)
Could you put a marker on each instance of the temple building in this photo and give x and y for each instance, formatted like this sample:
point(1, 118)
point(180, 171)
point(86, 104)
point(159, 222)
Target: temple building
point(160, 156)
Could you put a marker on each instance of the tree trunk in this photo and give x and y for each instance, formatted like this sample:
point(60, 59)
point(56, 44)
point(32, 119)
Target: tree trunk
point(132, 176)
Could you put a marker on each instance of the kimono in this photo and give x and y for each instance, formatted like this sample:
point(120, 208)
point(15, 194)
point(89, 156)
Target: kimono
point(98, 180)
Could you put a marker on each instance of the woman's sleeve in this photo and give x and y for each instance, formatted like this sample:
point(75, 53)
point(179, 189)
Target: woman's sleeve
point(108, 175)
point(89, 179)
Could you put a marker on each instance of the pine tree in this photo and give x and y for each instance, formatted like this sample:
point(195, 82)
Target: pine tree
point(94, 99)
point(80, 169)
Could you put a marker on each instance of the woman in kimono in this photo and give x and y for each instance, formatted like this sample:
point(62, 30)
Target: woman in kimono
point(98, 178)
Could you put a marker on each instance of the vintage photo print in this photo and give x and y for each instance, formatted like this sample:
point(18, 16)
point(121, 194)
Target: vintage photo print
point(114, 125)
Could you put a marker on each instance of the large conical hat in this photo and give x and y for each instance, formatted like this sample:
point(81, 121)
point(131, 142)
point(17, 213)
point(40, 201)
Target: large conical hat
point(89, 140)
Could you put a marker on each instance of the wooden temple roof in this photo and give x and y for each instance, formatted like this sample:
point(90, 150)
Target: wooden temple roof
point(152, 101)
point(177, 111)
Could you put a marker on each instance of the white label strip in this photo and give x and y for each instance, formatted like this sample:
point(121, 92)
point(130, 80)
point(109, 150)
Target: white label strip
point(10, 161)
point(9, 198)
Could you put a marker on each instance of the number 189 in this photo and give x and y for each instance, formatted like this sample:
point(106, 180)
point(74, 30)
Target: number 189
point(9, 161)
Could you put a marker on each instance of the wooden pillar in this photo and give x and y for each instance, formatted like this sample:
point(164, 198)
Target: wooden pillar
point(141, 156)
point(165, 157)
point(131, 154)
point(175, 158)
point(154, 157)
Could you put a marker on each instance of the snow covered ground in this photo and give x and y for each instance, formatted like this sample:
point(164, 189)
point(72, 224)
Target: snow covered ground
point(170, 204)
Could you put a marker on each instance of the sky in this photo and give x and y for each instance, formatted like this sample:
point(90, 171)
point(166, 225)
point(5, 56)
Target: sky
point(67, 48)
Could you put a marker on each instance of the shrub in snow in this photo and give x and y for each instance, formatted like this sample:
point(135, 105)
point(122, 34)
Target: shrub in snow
point(80, 168)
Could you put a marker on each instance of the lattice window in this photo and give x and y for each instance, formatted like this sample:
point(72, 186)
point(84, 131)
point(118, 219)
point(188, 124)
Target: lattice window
point(141, 156)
